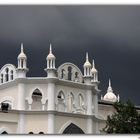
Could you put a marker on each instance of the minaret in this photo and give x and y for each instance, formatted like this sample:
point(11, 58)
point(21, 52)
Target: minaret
point(22, 64)
point(51, 75)
point(51, 70)
point(21, 73)
point(87, 71)
point(94, 72)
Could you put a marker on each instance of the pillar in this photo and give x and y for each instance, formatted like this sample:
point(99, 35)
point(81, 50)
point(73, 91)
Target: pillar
point(21, 96)
point(51, 107)
point(21, 122)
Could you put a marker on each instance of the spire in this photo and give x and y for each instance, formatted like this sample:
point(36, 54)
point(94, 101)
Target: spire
point(50, 55)
point(118, 98)
point(87, 63)
point(50, 48)
point(109, 87)
point(87, 56)
point(22, 48)
point(109, 82)
point(93, 64)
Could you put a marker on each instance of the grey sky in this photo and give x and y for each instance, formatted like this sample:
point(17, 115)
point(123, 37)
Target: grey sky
point(111, 35)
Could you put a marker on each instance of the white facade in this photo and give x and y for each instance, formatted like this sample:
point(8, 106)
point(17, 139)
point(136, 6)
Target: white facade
point(65, 101)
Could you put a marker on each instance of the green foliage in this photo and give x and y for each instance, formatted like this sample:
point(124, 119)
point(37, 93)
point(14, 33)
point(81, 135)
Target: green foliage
point(125, 120)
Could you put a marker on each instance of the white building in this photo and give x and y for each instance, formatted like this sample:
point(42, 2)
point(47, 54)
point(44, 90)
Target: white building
point(65, 101)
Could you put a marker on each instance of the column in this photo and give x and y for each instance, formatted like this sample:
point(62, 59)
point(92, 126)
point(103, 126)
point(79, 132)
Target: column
point(51, 107)
point(21, 122)
point(21, 96)
point(89, 112)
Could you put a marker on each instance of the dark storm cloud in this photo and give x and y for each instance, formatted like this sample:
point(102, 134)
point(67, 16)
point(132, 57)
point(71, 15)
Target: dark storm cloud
point(109, 33)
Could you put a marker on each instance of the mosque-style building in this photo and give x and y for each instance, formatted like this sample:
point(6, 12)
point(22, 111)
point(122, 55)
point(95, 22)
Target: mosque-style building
point(63, 102)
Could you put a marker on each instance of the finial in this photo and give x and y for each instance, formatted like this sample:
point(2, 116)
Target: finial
point(93, 64)
point(86, 56)
point(109, 87)
point(118, 98)
point(50, 48)
point(21, 47)
point(109, 82)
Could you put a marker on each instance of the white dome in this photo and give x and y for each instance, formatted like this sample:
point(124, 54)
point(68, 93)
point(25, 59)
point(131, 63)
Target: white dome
point(87, 64)
point(93, 71)
point(50, 56)
point(109, 96)
point(22, 55)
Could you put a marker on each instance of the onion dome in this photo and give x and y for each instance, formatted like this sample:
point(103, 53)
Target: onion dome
point(87, 63)
point(110, 96)
point(22, 55)
point(93, 70)
point(50, 55)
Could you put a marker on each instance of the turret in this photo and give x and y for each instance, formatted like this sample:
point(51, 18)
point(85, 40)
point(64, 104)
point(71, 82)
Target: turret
point(94, 72)
point(87, 71)
point(22, 64)
point(51, 70)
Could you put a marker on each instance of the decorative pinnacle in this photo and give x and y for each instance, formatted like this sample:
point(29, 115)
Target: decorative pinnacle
point(93, 64)
point(50, 48)
point(109, 82)
point(86, 56)
point(109, 87)
point(21, 47)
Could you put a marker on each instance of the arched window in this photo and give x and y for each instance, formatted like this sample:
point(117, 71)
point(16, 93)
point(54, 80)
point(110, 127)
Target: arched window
point(4, 132)
point(22, 63)
point(41, 132)
point(60, 96)
point(1, 78)
point(6, 75)
point(6, 105)
point(70, 102)
point(73, 129)
point(31, 133)
point(11, 77)
point(62, 73)
point(69, 73)
point(80, 100)
point(37, 95)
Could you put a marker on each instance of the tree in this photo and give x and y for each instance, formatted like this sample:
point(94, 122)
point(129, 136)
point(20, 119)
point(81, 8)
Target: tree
point(125, 120)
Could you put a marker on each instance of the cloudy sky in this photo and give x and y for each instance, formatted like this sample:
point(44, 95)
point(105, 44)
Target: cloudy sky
point(111, 35)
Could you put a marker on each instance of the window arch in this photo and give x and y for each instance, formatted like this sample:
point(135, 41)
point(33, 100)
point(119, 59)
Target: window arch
point(11, 76)
point(61, 96)
point(70, 73)
point(4, 132)
point(2, 78)
point(73, 129)
point(30, 133)
point(36, 98)
point(7, 74)
point(41, 132)
point(37, 95)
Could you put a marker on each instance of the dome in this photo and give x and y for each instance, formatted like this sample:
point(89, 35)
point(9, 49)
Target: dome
point(50, 55)
point(93, 70)
point(22, 55)
point(110, 96)
point(87, 64)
